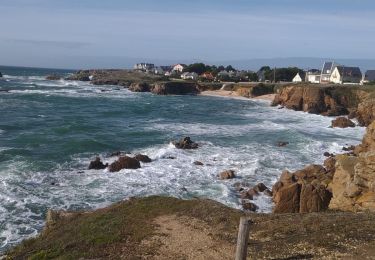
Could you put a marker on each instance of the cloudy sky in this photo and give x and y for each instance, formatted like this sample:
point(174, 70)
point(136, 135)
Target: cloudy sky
point(113, 33)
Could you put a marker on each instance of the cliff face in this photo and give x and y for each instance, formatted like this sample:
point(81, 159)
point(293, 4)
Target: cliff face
point(175, 88)
point(353, 184)
point(328, 100)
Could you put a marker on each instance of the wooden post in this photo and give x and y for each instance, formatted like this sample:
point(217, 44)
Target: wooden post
point(243, 238)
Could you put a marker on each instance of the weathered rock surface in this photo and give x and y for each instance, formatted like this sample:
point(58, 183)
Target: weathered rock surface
point(303, 191)
point(185, 143)
point(140, 87)
point(143, 158)
point(124, 162)
point(353, 184)
point(81, 75)
point(97, 164)
point(225, 175)
point(1, 75)
point(366, 112)
point(175, 88)
point(198, 163)
point(53, 77)
point(342, 122)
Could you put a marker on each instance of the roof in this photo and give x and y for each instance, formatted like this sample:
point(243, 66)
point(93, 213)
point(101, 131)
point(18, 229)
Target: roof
point(353, 72)
point(370, 75)
point(329, 66)
point(313, 72)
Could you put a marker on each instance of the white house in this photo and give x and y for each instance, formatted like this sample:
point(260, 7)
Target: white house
point(178, 67)
point(346, 75)
point(313, 76)
point(189, 75)
point(369, 76)
point(300, 77)
point(144, 66)
point(328, 68)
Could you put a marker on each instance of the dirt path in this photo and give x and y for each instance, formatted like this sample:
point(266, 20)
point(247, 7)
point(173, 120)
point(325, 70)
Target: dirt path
point(188, 238)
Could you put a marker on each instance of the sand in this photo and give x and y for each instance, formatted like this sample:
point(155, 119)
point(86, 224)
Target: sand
point(234, 94)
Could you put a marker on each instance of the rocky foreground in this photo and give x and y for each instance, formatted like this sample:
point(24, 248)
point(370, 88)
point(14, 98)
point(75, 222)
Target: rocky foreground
point(169, 228)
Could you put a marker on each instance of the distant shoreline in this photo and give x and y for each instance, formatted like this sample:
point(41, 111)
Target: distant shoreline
point(234, 94)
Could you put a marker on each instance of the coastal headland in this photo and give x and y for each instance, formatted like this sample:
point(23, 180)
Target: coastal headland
point(339, 194)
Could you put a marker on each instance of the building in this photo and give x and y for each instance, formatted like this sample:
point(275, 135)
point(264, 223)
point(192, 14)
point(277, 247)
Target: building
point(346, 75)
point(179, 67)
point(207, 76)
point(144, 66)
point(328, 67)
point(369, 76)
point(158, 71)
point(300, 77)
point(313, 76)
point(189, 75)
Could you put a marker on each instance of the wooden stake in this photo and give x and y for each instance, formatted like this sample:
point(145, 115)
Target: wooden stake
point(243, 238)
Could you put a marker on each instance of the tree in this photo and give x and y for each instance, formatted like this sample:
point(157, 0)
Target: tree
point(198, 68)
point(230, 68)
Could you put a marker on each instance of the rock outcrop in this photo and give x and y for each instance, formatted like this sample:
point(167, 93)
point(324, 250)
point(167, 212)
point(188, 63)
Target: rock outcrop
point(1, 75)
point(140, 87)
point(124, 162)
point(185, 143)
point(365, 112)
point(81, 75)
point(53, 77)
point(353, 184)
point(175, 88)
point(97, 164)
point(342, 122)
point(303, 191)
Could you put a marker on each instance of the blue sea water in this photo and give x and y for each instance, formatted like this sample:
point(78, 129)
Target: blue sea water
point(50, 130)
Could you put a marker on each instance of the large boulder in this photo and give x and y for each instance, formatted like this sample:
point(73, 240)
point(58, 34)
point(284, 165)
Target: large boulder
point(81, 75)
point(353, 184)
point(175, 88)
point(97, 164)
point(185, 143)
point(225, 175)
point(366, 112)
point(303, 191)
point(140, 87)
point(342, 122)
point(124, 162)
point(1, 75)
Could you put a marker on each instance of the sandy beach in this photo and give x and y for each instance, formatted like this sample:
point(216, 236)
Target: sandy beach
point(234, 94)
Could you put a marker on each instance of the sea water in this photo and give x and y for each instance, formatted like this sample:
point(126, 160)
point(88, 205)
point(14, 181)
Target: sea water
point(50, 130)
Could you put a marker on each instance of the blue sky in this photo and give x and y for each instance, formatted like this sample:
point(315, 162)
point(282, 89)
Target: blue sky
point(114, 33)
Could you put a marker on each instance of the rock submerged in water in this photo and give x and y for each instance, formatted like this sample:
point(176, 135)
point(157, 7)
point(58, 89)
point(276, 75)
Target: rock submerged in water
point(342, 122)
point(198, 163)
point(143, 158)
point(282, 144)
point(1, 75)
point(185, 143)
point(225, 175)
point(97, 164)
point(124, 162)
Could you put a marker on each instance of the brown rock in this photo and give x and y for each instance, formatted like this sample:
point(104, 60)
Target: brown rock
point(97, 164)
point(287, 199)
point(143, 158)
point(124, 162)
point(268, 192)
point(185, 143)
point(314, 198)
point(53, 77)
point(198, 163)
point(229, 174)
point(140, 87)
point(246, 205)
point(329, 164)
point(260, 187)
point(282, 144)
point(342, 122)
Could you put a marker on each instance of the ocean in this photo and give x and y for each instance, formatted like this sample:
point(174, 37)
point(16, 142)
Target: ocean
point(50, 130)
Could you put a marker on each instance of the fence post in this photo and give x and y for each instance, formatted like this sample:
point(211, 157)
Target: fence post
point(243, 238)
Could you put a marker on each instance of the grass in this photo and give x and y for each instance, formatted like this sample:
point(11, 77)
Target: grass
point(117, 231)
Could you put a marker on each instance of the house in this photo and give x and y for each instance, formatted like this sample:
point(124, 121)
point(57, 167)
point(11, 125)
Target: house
point(300, 77)
point(189, 75)
point(144, 66)
point(313, 76)
point(158, 71)
point(179, 67)
point(342, 75)
point(369, 76)
point(328, 67)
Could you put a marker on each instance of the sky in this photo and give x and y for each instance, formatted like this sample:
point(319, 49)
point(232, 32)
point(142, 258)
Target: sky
point(117, 33)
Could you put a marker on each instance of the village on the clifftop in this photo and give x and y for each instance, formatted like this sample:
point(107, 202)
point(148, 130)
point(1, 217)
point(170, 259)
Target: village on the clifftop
point(331, 72)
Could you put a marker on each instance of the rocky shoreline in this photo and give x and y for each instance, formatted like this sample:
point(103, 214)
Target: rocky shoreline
point(330, 192)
